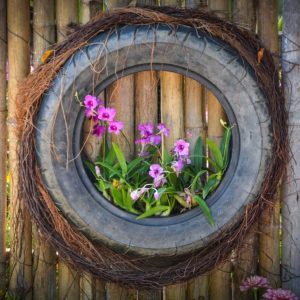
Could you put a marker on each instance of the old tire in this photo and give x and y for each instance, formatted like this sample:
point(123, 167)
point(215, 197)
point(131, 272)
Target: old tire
point(137, 48)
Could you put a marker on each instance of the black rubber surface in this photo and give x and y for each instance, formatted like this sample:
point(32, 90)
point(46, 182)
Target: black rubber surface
point(126, 51)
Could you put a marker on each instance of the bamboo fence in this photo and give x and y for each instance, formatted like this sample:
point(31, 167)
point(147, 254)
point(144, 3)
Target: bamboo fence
point(29, 267)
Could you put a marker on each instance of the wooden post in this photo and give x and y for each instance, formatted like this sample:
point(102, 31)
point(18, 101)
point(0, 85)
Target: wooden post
point(220, 278)
point(291, 204)
point(68, 280)
point(3, 147)
point(269, 223)
point(245, 261)
point(44, 281)
point(121, 96)
point(194, 119)
point(244, 13)
point(19, 66)
point(172, 114)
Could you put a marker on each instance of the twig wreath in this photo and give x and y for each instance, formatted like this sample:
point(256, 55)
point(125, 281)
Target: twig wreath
point(97, 259)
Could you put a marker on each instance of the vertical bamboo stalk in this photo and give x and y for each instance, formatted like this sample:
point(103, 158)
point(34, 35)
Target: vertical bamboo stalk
point(244, 13)
point(245, 262)
point(19, 65)
point(172, 108)
point(44, 283)
point(291, 188)
point(269, 241)
point(220, 278)
point(3, 147)
point(146, 110)
point(121, 96)
point(68, 280)
point(194, 118)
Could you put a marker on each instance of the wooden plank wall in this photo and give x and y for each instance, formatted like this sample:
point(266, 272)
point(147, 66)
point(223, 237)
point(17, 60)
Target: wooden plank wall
point(36, 271)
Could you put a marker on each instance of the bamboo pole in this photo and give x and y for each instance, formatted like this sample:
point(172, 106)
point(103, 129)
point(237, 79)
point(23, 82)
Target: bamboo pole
point(121, 96)
point(3, 147)
point(68, 280)
point(194, 118)
point(269, 223)
point(245, 262)
point(291, 189)
point(44, 282)
point(172, 114)
point(220, 279)
point(146, 110)
point(19, 65)
point(244, 13)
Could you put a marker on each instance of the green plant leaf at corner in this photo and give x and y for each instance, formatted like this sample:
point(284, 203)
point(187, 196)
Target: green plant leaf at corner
point(216, 152)
point(224, 148)
point(152, 211)
point(121, 158)
point(206, 210)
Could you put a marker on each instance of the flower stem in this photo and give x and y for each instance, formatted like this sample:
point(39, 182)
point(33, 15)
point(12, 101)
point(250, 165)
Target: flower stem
point(255, 292)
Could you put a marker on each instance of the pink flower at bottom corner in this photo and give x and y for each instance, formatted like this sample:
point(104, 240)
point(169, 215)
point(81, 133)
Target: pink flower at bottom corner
point(279, 294)
point(254, 282)
point(115, 127)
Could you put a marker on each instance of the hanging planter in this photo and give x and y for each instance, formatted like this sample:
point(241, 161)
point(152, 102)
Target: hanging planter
point(122, 242)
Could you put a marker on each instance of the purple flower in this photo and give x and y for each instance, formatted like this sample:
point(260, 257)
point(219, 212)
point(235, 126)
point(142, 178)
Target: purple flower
point(159, 181)
point(90, 102)
point(98, 130)
point(155, 139)
point(156, 195)
point(155, 170)
point(182, 147)
point(254, 282)
point(143, 154)
point(143, 141)
point(135, 195)
point(89, 113)
point(163, 129)
point(115, 127)
point(146, 129)
point(98, 170)
point(279, 294)
point(188, 199)
point(106, 113)
point(177, 166)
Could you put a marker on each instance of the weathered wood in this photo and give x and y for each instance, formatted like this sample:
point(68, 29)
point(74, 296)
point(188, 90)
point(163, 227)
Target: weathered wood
point(87, 287)
point(245, 261)
point(3, 147)
point(117, 292)
point(95, 7)
point(44, 281)
point(291, 205)
point(116, 3)
point(68, 283)
point(146, 110)
point(170, 3)
point(269, 223)
point(244, 13)
point(66, 14)
point(120, 95)
point(172, 115)
point(198, 288)
point(99, 291)
point(220, 279)
point(18, 36)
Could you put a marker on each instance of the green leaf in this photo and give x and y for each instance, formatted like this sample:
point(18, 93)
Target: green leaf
point(167, 158)
point(110, 157)
point(102, 187)
point(197, 158)
point(117, 195)
point(134, 163)
point(181, 201)
point(210, 185)
point(152, 211)
point(225, 147)
point(113, 170)
point(213, 147)
point(121, 158)
point(91, 167)
point(194, 182)
point(206, 210)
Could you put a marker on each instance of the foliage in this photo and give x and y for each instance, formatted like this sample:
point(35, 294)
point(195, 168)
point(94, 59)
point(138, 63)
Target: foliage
point(157, 182)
